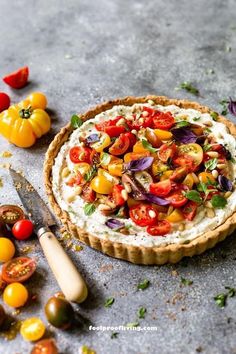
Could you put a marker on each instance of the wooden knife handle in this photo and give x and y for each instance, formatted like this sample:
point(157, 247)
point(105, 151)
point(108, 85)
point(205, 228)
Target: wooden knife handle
point(69, 279)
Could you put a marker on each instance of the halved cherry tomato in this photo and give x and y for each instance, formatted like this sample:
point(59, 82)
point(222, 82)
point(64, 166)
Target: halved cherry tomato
point(18, 269)
point(23, 229)
point(206, 177)
point(139, 148)
point(88, 194)
point(132, 139)
point(179, 174)
point(189, 210)
point(163, 120)
point(166, 152)
point(153, 138)
point(80, 154)
point(197, 129)
point(75, 180)
point(114, 130)
point(186, 161)
point(100, 184)
point(161, 189)
point(162, 228)
point(18, 78)
point(143, 214)
point(193, 150)
point(189, 181)
point(120, 145)
point(108, 123)
point(10, 214)
point(135, 156)
point(104, 141)
point(175, 216)
point(117, 196)
point(32, 329)
point(177, 199)
point(4, 101)
point(115, 167)
point(143, 121)
point(45, 346)
point(149, 110)
point(163, 134)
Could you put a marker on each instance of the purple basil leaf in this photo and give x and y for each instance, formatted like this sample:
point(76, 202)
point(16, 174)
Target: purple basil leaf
point(140, 164)
point(232, 106)
point(225, 183)
point(184, 135)
point(114, 224)
point(92, 138)
point(156, 200)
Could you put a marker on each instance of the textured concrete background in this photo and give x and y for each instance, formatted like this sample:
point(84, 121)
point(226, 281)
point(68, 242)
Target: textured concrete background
point(81, 53)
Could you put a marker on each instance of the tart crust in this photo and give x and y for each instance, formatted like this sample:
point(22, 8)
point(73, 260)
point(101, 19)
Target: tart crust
point(171, 253)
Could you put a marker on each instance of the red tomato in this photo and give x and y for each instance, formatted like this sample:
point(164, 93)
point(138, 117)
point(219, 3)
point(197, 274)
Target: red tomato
point(4, 101)
point(116, 195)
point(179, 174)
point(45, 346)
point(80, 154)
point(143, 214)
point(163, 120)
point(186, 161)
point(162, 228)
point(18, 78)
point(132, 139)
point(18, 269)
point(88, 194)
point(177, 199)
point(189, 210)
point(23, 229)
point(161, 189)
point(114, 131)
point(143, 121)
point(167, 151)
point(75, 180)
point(108, 123)
point(120, 145)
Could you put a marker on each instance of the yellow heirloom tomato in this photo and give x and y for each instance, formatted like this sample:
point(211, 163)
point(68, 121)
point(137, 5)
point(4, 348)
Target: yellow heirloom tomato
point(104, 142)
point(101, 185)
point(22, 124)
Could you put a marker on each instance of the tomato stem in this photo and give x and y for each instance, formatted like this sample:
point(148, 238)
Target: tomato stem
point(25, 113)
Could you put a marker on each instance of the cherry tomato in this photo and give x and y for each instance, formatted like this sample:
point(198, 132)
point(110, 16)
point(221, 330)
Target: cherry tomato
point(132, 139)
point(107, 123)
point(135, 156)
point(175, 216)
point(166, 152)
point(75, 180)
point(18, 78)
point(153, 138)
point(206, 177)
point(189, 210)
point(161, 189)
point(186, 161)
point(15, 295)
point(120, 145)
point(37, 100)
point(140, 122)
point(177, 199)
point(179, 174)
point(59, 312)
point(23, 229)
point(163, 120)
point(10, 214)
point(2, 315)
point(45, 346)
point(18, 269)
point(193, 150)
point(80, 154)
point(144, 178)
point(7, 249)
point(197, 129)
point(114, 131)
point(115, 167)
point(117, 196)
point(4, 101)
point(32, 329)
point(88, 194)
point(104, 141)
point(101, 185)
point(162, 228)
point(143, 214)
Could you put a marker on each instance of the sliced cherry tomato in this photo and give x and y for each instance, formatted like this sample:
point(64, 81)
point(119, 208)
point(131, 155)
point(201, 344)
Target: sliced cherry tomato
point(150, 110)
point(23, 229)
point(163, 120)
point(143, 214)
point(10, 214)
point(114, 130)
point(132, 139)
point(177, 199)
point(32, 329)
point(80, 154)
point(117, 196)
point(103, 126)
point(88, 194)
point(144, 120)
point(189, 210)
point(45, 346)
point(153, 138)
point(179, 174)
point(135, 156)
point(120, 145)
point(18, 269)
point(104, 141)
point(166, 152)
point(161, 189)
point(4, 101)
point(186, 161)
point(197, 129)
point(75, 180)
point(101, 184)
point(18, 78)
point(193, 150)
point(162, 228)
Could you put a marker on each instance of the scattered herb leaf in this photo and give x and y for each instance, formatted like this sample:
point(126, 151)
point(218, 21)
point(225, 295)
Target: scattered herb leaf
point(114, 335)
point(89, 209)
point(90, 174)
point(231, 291)
point(182, 123)
point(206, 147)
point(186, 282)
point(109, 302)
point(211, 164)
point(220, 300)
point(218, 201)
point(76, 121)
point(214, 116)
point(105, 160)
point(187, 86)
point(141, 312)
point(196, 119)
point(143, 285)
point(224, 104)
point(194, 196)
point(148, 146)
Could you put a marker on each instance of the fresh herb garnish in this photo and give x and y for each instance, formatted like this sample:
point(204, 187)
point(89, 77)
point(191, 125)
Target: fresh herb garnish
point(114, 335)
point(76, 121)
point(109, 302)
point(218, 201)
point(206, 147)
point(211, 164)
point(143, 285)
point(132, 324)
point(148, 146)
point(90, 174)
point(105, 159)
point(214, 116)
point(141, 312)
point(89, 209)
point(186, 282)
point(220, 300)
point(231, 291)
point(202, 187)
point(196, 119)
point(182, 123)
point(194, 196)
point(224, 104)
point(187, 86)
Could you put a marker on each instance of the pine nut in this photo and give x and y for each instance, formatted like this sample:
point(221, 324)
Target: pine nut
point(228, 194)
point(145, 114)
point(210, 213)
point(70, 198)
point(208, 123)
point(181, 227)
point(170, 209)
point(124, 194)
point(151, 102)
point(110, 204)
point(65, 172)
point(213, 154)
point(141, 120)
point(215, 173)
point(208, 205)
point(102, 207)
point(121, 122)
point(129, 117)
point(152, 214)
point(127, 187)
point(134, 132)
point(221, 166)
point(78, 190)
point(195, 178)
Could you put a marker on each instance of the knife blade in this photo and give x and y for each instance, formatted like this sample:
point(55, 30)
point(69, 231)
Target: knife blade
point(69, 279)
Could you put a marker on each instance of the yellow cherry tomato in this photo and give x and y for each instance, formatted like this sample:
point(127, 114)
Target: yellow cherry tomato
point(7, 249)
point(163, 134)
point(158, 167)
point(135, 156)
point(101, 185)
point(104, 142)
point(32, 329)
point(175, 216)
point(139, 148)
point(188, 181)
point(15, 295)
point(107, 175)
point(115, 168)
point(193, 150)
point(37, 100)
point(206, 177)
point(82, 167)
point(166, 175)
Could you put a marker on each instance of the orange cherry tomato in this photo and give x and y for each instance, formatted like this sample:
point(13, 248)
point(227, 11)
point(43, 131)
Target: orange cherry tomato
point(167, 151)
point(161, 189)
point(120, 146)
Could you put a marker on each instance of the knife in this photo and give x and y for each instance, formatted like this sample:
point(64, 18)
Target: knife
point(69, 279)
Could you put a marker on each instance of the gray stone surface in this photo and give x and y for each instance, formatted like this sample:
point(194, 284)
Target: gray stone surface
point(81, 53)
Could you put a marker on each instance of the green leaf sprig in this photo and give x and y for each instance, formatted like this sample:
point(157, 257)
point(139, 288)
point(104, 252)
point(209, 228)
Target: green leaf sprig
point(143, 285)
point(76, 121)
point(187, 86)
point(109, 302)
point(148, 146)
point(193, 195)
point(89, 208)
point(211, 164)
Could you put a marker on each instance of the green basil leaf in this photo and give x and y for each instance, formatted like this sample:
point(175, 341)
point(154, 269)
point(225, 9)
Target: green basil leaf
point(186, 282)
point(211, 164)
point(132, 324)
point(187, 86)
point(218, 201)
point(206, 147)
point(182, 123)
point(196, 119)
point(109, 302)
point(214, 116)
point(202, 187)
point(106, 158)
point(89, 209)
point(143, 285)
point(90, 174)
point(141, 312)
point(148, 146)
point(194, 196)
point(76, 121)
point(220, 300)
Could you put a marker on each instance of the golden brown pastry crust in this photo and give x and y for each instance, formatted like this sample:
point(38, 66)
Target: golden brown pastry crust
point(136, 254)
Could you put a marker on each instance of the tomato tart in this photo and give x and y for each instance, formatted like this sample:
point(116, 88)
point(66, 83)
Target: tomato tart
point(145, 179)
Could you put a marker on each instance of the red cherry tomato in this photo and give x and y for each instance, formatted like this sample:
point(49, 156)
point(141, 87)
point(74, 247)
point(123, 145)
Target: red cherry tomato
point(23, 229)
point(120, 145)
point(75, 180)
point(141, 122)
point(177, 199)
point(161, 189)
point(167, 151)
point(163, 120)
point(143, 214)
point(132, 139)
point(88, 194)
point(45, 346)
point(18, 78)
point(179, 174)
point(109, 125)
point(114, 131)
point(186, 161)
point(4, 101)
point(18, 270)
point(116, 195)
point(189, 210)
point(80, 154)
point(162, 228)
